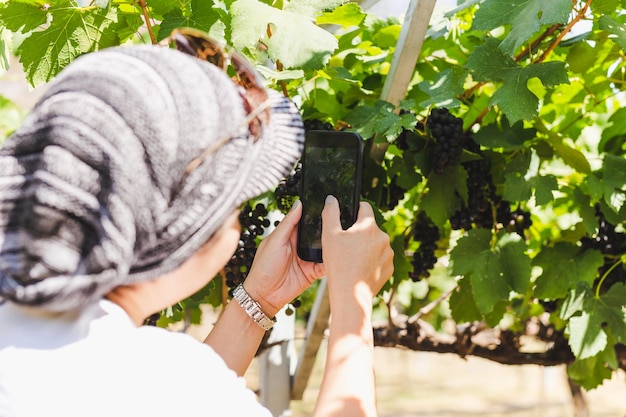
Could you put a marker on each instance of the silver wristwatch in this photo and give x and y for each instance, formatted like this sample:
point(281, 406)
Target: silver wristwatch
point(252, 308)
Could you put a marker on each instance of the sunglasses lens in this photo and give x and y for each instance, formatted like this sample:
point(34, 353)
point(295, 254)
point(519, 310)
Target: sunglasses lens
point(196, 43)
point(247, 75)
point(200, 47)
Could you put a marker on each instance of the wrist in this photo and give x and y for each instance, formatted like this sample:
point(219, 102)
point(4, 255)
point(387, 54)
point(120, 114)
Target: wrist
point(253, 309)
point(255, 291)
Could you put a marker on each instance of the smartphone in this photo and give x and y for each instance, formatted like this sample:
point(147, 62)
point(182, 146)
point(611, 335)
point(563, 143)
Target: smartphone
point(331, 165)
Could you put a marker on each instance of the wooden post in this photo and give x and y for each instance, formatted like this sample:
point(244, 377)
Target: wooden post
point(318, 322)
point(407, 51)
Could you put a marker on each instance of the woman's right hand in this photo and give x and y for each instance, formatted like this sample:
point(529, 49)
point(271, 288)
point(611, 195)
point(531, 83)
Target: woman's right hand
point(358, 260)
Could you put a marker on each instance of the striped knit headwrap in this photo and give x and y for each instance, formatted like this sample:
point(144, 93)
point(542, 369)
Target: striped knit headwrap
point(89, 184)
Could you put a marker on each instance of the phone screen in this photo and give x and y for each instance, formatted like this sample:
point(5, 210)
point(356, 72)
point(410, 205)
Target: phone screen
point(331, 165)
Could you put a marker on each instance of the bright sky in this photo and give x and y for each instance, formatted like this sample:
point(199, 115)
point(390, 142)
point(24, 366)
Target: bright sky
point(398, 7)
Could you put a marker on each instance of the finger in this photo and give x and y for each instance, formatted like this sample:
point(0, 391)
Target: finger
point(287, 226)
point(365, 211)
point(331, 214)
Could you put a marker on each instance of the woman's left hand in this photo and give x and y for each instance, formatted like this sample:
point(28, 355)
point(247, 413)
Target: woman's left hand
point(278, 275)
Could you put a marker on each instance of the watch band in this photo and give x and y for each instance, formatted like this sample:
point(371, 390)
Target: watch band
point(252, 308)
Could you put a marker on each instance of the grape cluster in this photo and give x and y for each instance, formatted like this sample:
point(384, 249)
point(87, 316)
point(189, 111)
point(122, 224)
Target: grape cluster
point(288, 189)
point(393, 193)
point(483, 202)
point(447, 131)
point(427, 234)
point(316, 124)
point(612, 244)
point(481, 194)
point(253, 222)
point(517, 221)
point(407, 138)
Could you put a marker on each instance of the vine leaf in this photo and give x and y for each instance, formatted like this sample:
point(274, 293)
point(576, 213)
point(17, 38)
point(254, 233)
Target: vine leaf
point(160, 8)
point(443, 90)
point(572, 157)
point(349, 14)
point(489, 63)
point(494, 271)
point(573, 265)
point(380, 120)
point(18, 16)
point(441, 200)
point(311, 49)
point(614, 181)
point(71, 33)
point(616, 29)
point(518, 188)
point(202, 16)
point(524, 16)
point(312, 8)
point(588, 331)
point(463, 306)
point(615, 132)
point(591, 372)
point(507, 137)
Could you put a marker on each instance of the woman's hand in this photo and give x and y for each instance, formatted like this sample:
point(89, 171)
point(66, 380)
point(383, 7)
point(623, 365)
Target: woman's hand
point(356, 260)
point(278, 275)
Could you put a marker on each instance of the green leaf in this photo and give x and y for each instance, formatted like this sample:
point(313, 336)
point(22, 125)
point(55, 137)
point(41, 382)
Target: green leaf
point(587, 335)
point(441, 199)
point(575, 300)
point(462, 303)
point(18, 16)
point(515, 264)
point(615, 131)
point(516, 188)
point(525, 17)
point(571, 156)
point(379, 120)
point(605, 6)
point(401, 263)
point(589, 373)
point(493, 271)
point(544, 185)
point(312, 8)
point(162, 7)
point(614, 181)
point(507, 137)
point(310, 49)
point(488, 63)
point(443, 90)
point(202, 16)
point(72, 32)
point(616, 29)
point(564, 265)
point(581, 57)
point(349, 14)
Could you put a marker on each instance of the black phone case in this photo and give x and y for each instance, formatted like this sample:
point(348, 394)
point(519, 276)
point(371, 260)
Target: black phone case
point(330, 140)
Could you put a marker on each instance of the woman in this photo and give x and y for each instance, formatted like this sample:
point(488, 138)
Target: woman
point(119, 197)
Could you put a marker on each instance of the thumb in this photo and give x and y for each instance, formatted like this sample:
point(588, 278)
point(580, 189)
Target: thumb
point(289, 222)
point(331, 214)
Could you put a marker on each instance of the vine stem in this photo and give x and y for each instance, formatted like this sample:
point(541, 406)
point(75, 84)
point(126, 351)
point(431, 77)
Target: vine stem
point(606, 274)
point(143, 5)
point(432, 305)
point(565, 31)
point(580, 15)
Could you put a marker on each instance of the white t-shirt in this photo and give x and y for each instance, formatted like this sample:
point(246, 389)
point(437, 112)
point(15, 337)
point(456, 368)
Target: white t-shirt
point(98, 363)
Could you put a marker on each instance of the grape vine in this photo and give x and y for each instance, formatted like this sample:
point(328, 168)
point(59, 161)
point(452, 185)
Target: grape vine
point(507, 150)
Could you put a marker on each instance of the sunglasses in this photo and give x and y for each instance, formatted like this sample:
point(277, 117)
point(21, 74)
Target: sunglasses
point(252, 91)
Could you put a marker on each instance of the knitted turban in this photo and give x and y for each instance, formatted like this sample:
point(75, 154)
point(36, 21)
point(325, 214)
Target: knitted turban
point(92, 187)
